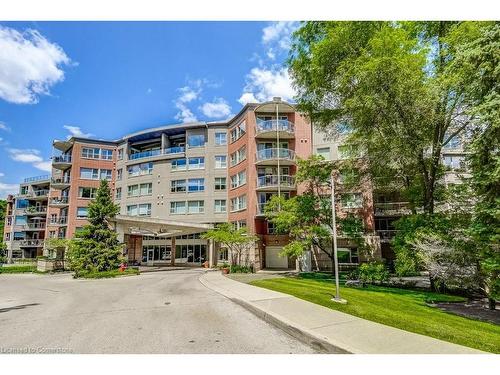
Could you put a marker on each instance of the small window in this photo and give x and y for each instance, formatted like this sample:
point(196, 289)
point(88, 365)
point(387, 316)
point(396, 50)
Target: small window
point(118, 194)
point(220, 161)
point(196, 140)
point(220, 138)
point(120, 154)
point(196, 163)
point(220, 205)
point(106, 174)
point(119, 173)
point(325, 152)
point(196, 207)
point(106, 154)
point(196, 184)
point(220, 183)
point(178, 207)
point(178, 165)
point(81, 212)
point(178, 186)
point(87, 192)
point(352, 200)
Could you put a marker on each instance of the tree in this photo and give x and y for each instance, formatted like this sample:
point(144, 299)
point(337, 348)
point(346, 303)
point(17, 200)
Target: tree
point(307, 218)
point(390, 83)
point(478, 66)
point(237, 241)
point(96, 247)
point(3, 245)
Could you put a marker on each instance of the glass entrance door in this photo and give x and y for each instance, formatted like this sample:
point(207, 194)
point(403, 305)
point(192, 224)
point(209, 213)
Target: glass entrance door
point(150, 258)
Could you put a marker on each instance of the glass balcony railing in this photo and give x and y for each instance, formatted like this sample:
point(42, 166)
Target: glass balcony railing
point(37, 178)
point(275, 153)
point(272, 181)
point(41, 193)
point(62, 159)
point(152, 153)
point(34, 226)
point(60, 200)
point(175, 150)
point(31, 243)
point(275, 125)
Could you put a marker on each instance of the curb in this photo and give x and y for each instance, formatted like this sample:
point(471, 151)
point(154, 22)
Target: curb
point(309, 338)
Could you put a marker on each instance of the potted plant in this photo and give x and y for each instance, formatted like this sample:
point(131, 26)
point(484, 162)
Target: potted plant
point(224, 268)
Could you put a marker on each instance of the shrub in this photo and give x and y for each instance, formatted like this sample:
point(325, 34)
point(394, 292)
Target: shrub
point(107, 274)
point(18, 269)
point(371, 273)
point(240, 269)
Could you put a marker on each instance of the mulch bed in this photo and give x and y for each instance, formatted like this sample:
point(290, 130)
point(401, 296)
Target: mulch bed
point(477, 309)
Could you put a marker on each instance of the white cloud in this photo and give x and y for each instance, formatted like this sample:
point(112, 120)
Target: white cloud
point(2, 174)
point(263, 84)
point(4, 126)
point(187, 95)
point(219, 108)
point(31, 156)
point(279, 33)
point(29, 65)
point(76, 131)
point(6, 189)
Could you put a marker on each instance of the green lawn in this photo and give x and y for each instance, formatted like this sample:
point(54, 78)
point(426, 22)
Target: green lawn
point(18, 268)
point(404, 309)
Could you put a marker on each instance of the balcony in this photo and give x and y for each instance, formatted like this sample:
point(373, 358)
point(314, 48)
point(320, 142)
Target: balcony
point(386, 235)
point(34, 226)
point(39, 194)
point(59, 202)
point(270, 129)
point(62, 220)
point(61, 162)
point(392, 209)
point(31, 243)
point(154, 153)
point(270, 182)
point(37, 179)
point(35, 210)
point(60, 182)
point(272, 155)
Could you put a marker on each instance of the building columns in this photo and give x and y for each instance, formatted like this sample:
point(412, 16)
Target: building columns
point(211, 253)
point(172, 251)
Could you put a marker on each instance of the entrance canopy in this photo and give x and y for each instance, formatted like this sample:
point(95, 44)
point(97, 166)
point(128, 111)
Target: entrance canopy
point(147, 226)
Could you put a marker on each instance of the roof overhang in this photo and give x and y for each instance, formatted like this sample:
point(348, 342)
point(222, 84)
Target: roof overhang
point(270, 107)
point(148, 226)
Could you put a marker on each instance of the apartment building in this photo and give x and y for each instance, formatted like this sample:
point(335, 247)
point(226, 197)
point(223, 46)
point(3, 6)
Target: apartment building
point(26, 218)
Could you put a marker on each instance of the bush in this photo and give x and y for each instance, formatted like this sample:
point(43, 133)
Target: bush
point(371, 273)
point(240, 269)
point(107, 274)
point(18, 269)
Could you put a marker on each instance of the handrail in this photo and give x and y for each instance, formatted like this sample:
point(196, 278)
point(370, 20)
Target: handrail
point(272, 180)
point(275, 125)
point(157, 152)
point(275, 153)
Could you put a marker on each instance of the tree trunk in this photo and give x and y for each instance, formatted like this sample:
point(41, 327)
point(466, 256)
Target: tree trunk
point(492, 303)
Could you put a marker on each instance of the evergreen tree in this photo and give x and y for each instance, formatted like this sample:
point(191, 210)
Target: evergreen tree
point(96, 247)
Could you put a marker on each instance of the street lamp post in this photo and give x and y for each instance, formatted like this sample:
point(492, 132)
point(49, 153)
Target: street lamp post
point(334, 233)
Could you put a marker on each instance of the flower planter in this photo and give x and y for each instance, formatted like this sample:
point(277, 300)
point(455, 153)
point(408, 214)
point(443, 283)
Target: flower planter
point(225, 271)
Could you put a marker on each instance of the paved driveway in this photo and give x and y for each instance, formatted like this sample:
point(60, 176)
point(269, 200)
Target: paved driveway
point(160, 312)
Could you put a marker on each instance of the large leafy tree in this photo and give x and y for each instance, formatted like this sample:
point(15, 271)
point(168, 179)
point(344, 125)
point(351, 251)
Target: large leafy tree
point(390, 83)
point(96, 247)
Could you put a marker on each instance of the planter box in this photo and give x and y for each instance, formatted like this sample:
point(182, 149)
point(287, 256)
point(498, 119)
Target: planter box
point(48, 265)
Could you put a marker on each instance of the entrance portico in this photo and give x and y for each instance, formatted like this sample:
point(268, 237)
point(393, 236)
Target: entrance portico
point(155, 241)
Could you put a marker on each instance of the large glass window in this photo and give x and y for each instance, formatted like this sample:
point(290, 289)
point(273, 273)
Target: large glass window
point(106, 174)
point(146, 189)
point(140, 169)
point(239, 203)
point(196, 207)
point(89, 173)
point(178, 207)
point(106, 154)
point(220, 138)
point(133, 190)
point(196, 184)
point(196, 163)
point(21, 220)
point(87, 192)
point(196, 140)
point(178, 186)
point(220, 161)
point(81, 212)
point(178, 165)
point(143, 209)
point(21, 203)
point(91, 153)
point(455, 162)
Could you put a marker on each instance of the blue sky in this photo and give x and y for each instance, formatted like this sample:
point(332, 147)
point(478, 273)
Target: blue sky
point(108, 79)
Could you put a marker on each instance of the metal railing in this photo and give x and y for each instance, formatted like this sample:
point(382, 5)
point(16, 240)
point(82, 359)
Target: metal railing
point(37, 178)
point(62, 220)
point(275, 153)
point(272, 180)
point(158, 152)
point(34, 226)
point(31, 243)
point(41, 193)
point(392, 208)
point(275, 125)
point(36, 210)
point(62, 159)
point(60, 200)
point(61, 180)
point(386, 235)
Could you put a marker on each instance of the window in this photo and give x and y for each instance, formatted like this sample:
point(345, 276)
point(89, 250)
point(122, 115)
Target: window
point(325, 152)
point(196, 163)
point(140, 169)
point(140, 190)
point(238, 131)
point(220, 205)
point(178, 207)
point(351, 200)
point(19, 236)
point(238, 156)
point(239, 179)
point(196, 207)
point(196, 140)
point(220, 183)
point(20, 220)
point(220, 161)
point(454, 162)
point(220, 138)
point(178, 165)
point(223, 255)
point(89, 173)
point(453, 143)
point(87, 192)
point(91, 153)
point(106, 174)
point(196, 184)
point(106, 154)
point(239, 224)
point(346, 255)
point(143, 209)
point(119, 173)
point(133, 191)
point(239, 203)
point(177, 186)
point(21, 203)
point(118, 194)
point(81, 212)
point(146, 189)
point(120, 154)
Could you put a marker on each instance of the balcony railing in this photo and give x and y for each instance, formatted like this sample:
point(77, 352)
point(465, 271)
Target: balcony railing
point(152, 153)
point(34, 226)
point(386, 235)
point(62, 159)
point(35, 210)
point(275, 125)
point(392, 208)
point(40, 193)
point(60, 200)
point(272, 181)
point(61, 180)
point(62, 220)
point(31, 243)
point(37, 178)
point(275, 153)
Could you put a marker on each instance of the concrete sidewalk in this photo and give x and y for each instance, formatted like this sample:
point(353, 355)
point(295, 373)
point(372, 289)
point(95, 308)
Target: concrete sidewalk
point(325, 329)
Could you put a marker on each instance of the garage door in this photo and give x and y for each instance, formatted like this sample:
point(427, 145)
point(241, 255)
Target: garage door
point(273, 260)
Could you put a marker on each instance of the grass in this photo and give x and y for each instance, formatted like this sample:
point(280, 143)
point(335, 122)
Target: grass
point(400, 308)
point(18, 269)
point(108, 274)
